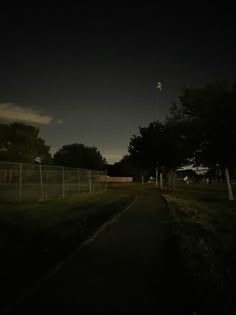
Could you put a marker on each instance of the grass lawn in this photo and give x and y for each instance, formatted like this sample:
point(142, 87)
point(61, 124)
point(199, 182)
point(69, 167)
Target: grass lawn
point(204, 225)
point(35, 236)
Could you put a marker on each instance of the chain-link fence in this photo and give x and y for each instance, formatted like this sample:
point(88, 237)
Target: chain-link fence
point(28, 182)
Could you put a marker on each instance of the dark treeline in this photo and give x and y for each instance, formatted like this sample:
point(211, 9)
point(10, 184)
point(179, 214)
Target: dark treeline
point(21, 143)
point(200, 129)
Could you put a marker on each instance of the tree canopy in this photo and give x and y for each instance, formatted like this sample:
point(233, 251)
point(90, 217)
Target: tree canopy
point(160, 144)
point(200, 129)
point(125, 167)
point(81, 156)
point(211, 112)
point(21, 143)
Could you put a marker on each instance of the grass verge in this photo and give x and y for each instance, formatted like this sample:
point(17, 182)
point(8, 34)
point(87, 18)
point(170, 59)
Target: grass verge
point(205, 233)
point(35, 236)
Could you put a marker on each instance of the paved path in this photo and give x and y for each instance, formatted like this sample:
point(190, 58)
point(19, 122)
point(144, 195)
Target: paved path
point(125, 271)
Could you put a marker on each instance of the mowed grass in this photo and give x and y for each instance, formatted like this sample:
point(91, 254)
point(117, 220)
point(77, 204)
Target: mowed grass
point(204, 226)
point(34, 237)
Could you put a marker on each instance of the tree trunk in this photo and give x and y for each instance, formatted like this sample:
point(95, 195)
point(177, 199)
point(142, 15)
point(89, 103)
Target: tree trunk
point(161, 181)
point(156, 179)
point(172, 179)
point(229, 188)
point(169, 180)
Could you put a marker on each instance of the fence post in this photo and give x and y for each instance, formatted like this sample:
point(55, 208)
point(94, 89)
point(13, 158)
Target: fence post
point(41, 181)
point(68, 182)
point(78, 181)
point(106, 180)
point(63, 182)
point(20, 183)
point(90, 181)
point(10, 176)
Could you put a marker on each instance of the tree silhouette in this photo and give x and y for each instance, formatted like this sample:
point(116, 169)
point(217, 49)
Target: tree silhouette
point(81, 156)
point(211, 112)
point(21, 143)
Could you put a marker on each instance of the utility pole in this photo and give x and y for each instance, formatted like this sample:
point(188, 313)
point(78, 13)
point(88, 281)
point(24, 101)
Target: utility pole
point(159, 89)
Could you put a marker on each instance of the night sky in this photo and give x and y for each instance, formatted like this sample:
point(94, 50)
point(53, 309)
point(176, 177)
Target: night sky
point(88, 74)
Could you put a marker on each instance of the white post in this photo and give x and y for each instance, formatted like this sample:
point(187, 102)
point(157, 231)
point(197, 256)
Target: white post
point(142, 180)
point(161, 181)
point(10, 176)
point(68, 181)
point(63, 182)
point(156, 176)
point(78, 181)
point(41, 181)
point(20, 183)
point(229, 188)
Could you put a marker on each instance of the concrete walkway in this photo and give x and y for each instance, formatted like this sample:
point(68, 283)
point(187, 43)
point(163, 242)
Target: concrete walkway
point(125, 271)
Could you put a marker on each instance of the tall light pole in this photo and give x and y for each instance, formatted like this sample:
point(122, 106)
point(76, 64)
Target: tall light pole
point(158, 89)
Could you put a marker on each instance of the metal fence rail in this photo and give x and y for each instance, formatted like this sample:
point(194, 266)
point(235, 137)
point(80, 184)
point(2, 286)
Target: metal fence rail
point(28, 182)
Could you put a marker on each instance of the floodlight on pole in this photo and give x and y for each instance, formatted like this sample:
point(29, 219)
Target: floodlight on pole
point(159, 86)
point(159, 89)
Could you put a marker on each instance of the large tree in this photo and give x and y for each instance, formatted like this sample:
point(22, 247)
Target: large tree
point(21, 143)
point(81, 156)
point(162, 145)
point(125, 167)
point(211, 111)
